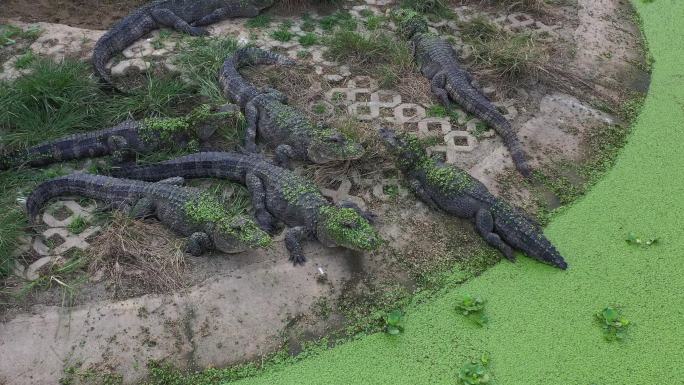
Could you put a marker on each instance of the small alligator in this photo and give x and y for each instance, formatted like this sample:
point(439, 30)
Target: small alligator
point(277, 124)
point(124, 140)
point(182, 15)
point(456, 192)
point(449, 81)
point(185, 210)
point(276, 193)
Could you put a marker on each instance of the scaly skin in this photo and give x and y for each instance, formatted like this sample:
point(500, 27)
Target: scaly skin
point(450, 82)
point(183, 209)
point(455, 192)
point(277, 124)
point(277, 195)
point(182, 15)
point(123, 141)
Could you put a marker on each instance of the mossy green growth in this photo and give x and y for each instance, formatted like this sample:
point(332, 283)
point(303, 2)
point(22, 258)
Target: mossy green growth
point(346, 227)
point(166, 129)
point(296, 188)
point(447, 178)
point(207, 209)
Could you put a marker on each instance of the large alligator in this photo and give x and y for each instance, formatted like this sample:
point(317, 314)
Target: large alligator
point(185, 210)
point(277, 124)
point(124, 140)
point(277, 195)
point(449, 81)
point(186, 16)
point(454, 191)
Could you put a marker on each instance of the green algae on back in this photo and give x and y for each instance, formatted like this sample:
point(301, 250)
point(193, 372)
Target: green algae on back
point(346, 226)
point(207, 209)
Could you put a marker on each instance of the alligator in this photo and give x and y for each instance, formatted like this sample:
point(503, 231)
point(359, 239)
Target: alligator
point(124, 140)
point(278, 195)
point(187, 211)
point(277, 124)
point(438, 62)
point(187, 16)
point(452, 190)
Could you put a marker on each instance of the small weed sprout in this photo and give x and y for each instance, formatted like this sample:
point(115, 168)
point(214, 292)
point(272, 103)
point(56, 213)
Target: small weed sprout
point(633, 239)
point(283, 33)
point(320, 109)
point(78, 225)
point(612, 322)
point(393, 323)
point(473, 308)
point(308, 40)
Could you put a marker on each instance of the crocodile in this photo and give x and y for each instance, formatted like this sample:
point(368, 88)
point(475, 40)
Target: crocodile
point(278, 195)
point(454, 191)
point(124, 140)
point(276, 123)
point(187, 211)
point(449, 81)
point(187, 16)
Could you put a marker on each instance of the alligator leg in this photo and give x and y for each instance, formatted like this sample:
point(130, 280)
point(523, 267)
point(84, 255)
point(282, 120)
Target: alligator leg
point(252, 116)
point(221, 14)
point(198, 243)
point(256, 190)
point(121, 151)
point(293, 242)
point(367, 215)
point(143, 208)
point(284, 153)
point(174, 181)
point(277, 95)
point(438, 83)
point(167, 18)
point(417, 188)
point(484, 222)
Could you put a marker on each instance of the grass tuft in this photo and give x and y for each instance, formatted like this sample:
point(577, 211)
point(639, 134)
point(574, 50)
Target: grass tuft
point(200, 61)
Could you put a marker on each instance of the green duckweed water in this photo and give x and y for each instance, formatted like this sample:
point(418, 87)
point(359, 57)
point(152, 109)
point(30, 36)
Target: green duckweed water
point(542, 328)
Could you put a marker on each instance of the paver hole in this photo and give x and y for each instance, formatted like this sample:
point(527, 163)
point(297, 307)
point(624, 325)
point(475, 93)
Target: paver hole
point(362, 97)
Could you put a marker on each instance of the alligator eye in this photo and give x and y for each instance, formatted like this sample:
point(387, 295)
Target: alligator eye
point(350, 224)
point(335, 139)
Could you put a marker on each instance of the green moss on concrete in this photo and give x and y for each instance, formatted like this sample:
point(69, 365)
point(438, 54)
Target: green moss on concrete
point(542, 328)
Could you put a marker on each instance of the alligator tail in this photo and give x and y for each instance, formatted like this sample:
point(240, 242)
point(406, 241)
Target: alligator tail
point(101, 56)
point(515, 227)
point(251, 56)
point(85, 185)
point(519, 156)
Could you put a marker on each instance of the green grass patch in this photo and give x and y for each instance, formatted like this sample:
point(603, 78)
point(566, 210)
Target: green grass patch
point(363, 49)
point(260, 21)
point(24, 61)
point(200, 60)
point(308, 39)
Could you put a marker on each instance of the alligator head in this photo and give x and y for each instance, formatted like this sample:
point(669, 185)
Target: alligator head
point(410, 23)
point(237, 235)
point(345, 227)
point(406, 149)
point(330, 146)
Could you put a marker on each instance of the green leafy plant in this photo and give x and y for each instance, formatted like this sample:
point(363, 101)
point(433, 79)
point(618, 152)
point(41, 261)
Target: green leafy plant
point(633, 239)
point(473, 308)
point(475, 372)
point(393, 322)
point(613, 323)
point(308, 40)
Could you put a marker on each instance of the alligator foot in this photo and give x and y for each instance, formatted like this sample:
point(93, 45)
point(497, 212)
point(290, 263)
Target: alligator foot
point(198, 243)
point(293, 242)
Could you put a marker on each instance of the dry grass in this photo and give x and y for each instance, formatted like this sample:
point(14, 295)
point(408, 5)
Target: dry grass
point(143, 252)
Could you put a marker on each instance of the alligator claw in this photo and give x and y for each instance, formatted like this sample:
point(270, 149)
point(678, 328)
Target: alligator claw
point(297, 259)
